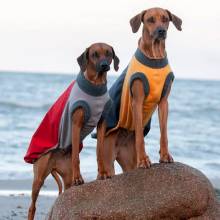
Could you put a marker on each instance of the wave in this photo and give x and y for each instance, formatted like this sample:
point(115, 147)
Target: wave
point(12, 105)
point(213, 165)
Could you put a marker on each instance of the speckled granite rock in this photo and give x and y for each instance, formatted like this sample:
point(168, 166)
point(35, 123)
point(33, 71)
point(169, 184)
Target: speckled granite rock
point(165, 191)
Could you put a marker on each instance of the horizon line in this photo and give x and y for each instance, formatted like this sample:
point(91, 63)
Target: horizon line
point(69, 73)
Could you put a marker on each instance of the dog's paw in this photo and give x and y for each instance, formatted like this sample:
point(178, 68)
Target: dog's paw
point(166, 158)
point(104, 176)
point(77, 181)
point(144, 163)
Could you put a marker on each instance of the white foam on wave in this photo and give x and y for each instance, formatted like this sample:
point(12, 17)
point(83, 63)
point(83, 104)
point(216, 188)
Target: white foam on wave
point(49, 193)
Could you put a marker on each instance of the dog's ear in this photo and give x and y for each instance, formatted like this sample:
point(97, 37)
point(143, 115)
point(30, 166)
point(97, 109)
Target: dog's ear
point(135, 22)
point(115, 60)
point(83, 60)
point(176, 20)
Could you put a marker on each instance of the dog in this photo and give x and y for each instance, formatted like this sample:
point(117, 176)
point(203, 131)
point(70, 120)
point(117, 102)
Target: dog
point(143, 86)
point(55, 146)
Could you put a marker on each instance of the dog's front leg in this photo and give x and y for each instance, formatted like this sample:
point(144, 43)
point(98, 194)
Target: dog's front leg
point(138, 96)
point(77, 123)
point(103, 169)
point(165, 156)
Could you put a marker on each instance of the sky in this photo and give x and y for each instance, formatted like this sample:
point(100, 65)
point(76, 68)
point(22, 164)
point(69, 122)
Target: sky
point(48, 35)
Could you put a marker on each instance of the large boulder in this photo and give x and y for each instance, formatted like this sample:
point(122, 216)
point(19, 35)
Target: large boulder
point(165, 191)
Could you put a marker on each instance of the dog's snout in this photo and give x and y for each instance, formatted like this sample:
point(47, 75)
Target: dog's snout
point(162, 31)
point(104, 64)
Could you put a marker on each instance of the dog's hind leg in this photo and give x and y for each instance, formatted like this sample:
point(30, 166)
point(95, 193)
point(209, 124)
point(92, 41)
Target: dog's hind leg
point(126, 152)
point(64, 168)
point(41, 171)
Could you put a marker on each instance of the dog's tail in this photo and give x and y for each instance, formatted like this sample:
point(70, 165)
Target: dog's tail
point(57, 178)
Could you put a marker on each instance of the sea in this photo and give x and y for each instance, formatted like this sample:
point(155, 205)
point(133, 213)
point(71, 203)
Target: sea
point(193, 124)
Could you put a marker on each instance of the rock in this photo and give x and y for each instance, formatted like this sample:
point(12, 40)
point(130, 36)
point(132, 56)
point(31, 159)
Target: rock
point(165, 191)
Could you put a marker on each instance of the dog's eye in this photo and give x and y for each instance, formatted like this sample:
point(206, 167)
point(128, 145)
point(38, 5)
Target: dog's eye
point(151, 20)
point(95, 55)
point(108, 53)
point(165, 19)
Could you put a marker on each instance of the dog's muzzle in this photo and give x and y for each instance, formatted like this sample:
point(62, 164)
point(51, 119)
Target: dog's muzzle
point(102, 66)
point(160, 33)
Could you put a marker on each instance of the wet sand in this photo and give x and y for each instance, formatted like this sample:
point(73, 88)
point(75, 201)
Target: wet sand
point(15, 207)
point(15, 199)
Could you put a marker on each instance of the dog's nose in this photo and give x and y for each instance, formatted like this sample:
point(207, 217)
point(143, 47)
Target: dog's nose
point(162, 32)
point(104, 64)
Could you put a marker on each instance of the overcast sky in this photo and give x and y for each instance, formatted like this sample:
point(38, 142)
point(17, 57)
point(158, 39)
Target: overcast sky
point(48, 35)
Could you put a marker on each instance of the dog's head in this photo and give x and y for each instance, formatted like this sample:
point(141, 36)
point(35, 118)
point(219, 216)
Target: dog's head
point(98, 57)
point(155, 22)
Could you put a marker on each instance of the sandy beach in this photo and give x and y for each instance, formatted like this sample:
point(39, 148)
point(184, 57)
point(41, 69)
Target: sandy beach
point(15, 198)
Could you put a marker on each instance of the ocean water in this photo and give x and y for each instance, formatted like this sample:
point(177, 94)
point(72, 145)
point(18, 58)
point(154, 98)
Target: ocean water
point(194, 123)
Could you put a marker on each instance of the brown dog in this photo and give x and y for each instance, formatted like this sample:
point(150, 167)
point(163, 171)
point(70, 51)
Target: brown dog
point(90, 88)
point(142, 87)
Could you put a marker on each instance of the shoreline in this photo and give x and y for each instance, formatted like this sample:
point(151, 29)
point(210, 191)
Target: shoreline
point(15, 198)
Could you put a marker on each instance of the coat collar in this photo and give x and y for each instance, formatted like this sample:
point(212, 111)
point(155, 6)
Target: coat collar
point(90, 88)
point(153, 63)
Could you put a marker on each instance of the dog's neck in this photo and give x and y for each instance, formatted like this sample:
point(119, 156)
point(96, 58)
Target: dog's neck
point(95, 78)
point(153, 49)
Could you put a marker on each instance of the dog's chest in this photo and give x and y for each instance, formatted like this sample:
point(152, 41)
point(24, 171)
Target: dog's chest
point(156, 82)
point(95, 104)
